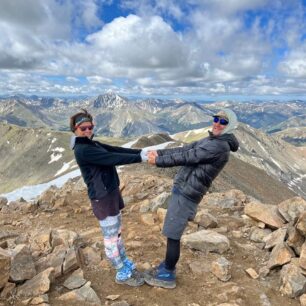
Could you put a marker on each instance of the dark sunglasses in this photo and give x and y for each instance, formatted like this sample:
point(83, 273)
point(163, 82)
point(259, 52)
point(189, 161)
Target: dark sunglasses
point(84, 128)
point(221, 120)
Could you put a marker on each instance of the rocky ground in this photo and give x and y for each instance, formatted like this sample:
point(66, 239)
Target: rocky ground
point(238, 251)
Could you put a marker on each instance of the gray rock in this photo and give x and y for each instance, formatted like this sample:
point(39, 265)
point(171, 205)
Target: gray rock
point(206, 220)
point(221, 269)
point(292, 208)
point(295, 240)
point(22, 264)
point(83, 294)
point(275, 238)
point(38, 285)
point(280, 255)
point(5, 266)
point(258, 234)
point(63, 236)
point(207, 241)
point(75, 280)
point(293, 283)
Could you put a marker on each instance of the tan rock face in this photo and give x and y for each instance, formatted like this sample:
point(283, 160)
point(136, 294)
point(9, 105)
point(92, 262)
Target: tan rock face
point(295, 240)
point(5, 266)
point(83, 294)
point(293, 283)
point(40, 241)
point(221, 268)
point(275, 238)
point(302, 259)
point(22, 264)
point(280, 255)
point(63, 237)
point(206, 220)
point(38, 285)
point(301, 224)
point(292, 208)
point(264, 213)
point(55, 260)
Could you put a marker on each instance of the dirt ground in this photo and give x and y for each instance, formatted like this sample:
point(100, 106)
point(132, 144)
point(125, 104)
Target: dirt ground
point(193, 288)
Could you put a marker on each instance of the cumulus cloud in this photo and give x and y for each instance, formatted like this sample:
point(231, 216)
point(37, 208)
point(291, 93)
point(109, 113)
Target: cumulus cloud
point(162, 47)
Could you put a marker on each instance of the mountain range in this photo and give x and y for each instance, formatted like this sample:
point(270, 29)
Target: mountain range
point(118, 116)
point(35, 142)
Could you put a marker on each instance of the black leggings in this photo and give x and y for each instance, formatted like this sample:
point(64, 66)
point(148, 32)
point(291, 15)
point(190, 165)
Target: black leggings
point(172, 254)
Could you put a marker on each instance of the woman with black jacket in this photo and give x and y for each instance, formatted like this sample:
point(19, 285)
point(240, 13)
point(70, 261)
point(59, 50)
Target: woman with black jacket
point(201, 162)
point(97, 162)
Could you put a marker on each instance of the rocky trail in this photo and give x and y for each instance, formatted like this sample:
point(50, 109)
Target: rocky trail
point(238, 251)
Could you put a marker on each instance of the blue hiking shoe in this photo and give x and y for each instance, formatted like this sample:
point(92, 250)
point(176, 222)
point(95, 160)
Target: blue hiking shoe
point(161, 277)
point(125, 276)
point(129, 264)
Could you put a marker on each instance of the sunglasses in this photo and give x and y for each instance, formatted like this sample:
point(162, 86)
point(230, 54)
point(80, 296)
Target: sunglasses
point(222, 121)
point(84, 128)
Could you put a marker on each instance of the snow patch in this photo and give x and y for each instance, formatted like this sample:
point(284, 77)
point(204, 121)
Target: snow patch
point(31, 192)
point(55, 157)
point(128, 145)
point(64, 168)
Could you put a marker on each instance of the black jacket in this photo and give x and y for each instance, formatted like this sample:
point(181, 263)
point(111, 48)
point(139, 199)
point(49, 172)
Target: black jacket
point(202, 161)
point(97, 163)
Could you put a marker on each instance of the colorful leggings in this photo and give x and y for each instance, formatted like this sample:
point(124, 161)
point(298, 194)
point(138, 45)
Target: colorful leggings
point(113, 243)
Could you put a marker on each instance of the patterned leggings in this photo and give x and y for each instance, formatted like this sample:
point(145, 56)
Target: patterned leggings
point(113, 243)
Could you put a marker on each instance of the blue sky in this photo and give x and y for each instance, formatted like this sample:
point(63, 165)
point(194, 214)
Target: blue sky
point(203, 49)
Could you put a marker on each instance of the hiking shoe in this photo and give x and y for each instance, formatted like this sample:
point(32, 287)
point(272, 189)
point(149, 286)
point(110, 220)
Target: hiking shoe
point(125, 276)
point(161, 277)
point(129, 264)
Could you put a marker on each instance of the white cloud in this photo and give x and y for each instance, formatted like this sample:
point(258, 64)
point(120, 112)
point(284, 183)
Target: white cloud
point(294, 65)
point(95, 79)
point(213, 52)
point(139, 43)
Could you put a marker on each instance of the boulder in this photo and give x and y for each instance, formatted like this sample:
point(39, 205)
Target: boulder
point(293, 282)
point(5, 266)
point(295, 240)
point(161, 201)
point(275, 238)
point(84, 294)
point(89, 256)
point(302, 259)
point(258, 234)
point(38, 285)
point(75, 280)
point(280, 255)
point(292, 208)
point(64, 237)
point(207, 241)
point(54, 260)
point(301, 224)
point(71, 261)
point(221, 268)
point(206, 220)
point(264, 213)
point(40, 241)
point(22, 264)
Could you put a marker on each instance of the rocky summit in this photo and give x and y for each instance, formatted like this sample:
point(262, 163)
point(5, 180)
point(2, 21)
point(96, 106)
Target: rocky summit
point(237, 251)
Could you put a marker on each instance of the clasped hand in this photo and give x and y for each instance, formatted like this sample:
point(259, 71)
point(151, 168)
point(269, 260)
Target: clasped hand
point(152, 157)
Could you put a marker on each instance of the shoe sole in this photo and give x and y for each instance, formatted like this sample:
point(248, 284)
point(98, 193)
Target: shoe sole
point(158, 283)
point(131, 284)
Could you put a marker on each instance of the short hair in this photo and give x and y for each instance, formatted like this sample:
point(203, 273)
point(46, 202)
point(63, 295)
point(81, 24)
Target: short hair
point(79, 118)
